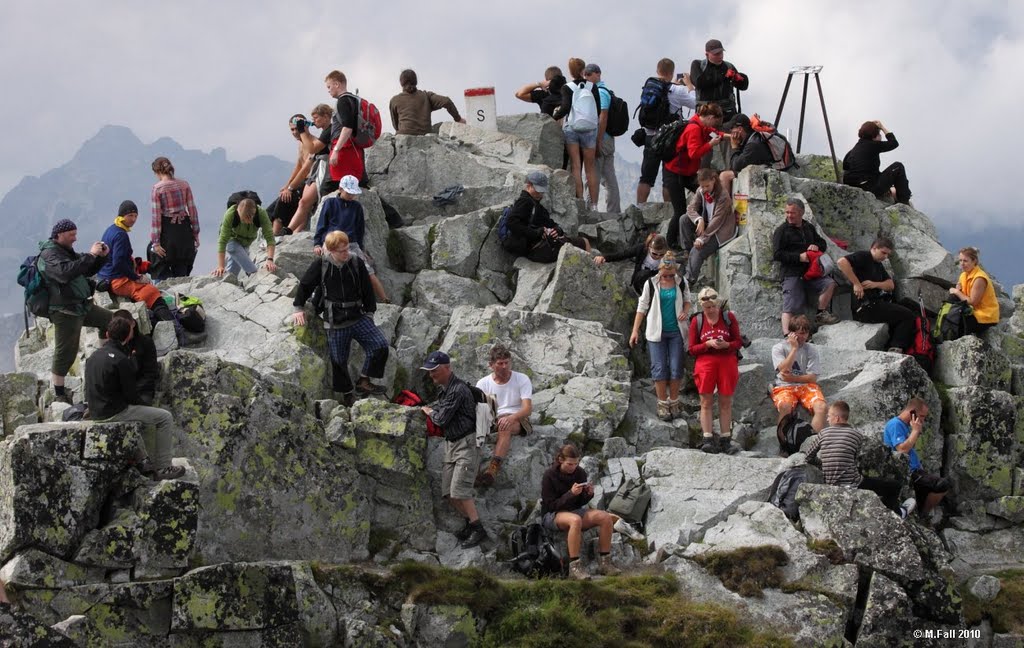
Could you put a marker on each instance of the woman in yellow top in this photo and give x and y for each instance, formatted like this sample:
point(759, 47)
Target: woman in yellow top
point(975, 287)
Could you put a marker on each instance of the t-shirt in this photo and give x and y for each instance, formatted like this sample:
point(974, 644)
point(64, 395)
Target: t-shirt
point(867, 269)
point(667, 301)
point(509, 396)
point(345, 116)
point(896, 432)
point(805, 362)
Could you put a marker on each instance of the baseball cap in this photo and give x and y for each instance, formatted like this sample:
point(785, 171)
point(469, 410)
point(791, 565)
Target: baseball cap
point(349, 184)
point(539, 180)
point(714, 46)
point(435, 360)
point(739, 120)
point(591, 68)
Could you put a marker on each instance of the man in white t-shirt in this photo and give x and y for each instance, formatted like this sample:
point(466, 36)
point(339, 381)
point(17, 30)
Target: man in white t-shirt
point(513, 393)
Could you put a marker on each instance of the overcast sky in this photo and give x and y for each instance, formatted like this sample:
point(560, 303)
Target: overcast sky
point(939, 74)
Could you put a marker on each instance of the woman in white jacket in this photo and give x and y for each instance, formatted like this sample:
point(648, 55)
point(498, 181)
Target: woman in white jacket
point(665, 302)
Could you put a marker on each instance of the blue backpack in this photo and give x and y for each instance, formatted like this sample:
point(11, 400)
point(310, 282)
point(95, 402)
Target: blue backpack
point(37, 296)
point(503, 229)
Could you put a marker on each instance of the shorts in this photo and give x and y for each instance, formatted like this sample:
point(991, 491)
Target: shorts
point(717, 371)
point(795, 290)
point(806, 395)
point(458, 472)
point(584, 139)
point(926, 483)
point(549, 518)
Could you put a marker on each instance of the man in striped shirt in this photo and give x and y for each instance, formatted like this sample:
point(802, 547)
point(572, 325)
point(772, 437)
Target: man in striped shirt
point(836, 448)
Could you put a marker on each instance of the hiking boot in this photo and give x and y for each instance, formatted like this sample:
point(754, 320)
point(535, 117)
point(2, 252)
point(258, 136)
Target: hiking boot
point(626, 529)
point(709, 446)
point(606, 567)
point(825, 318)
point(909, 506)
point(366, 388)
point(664, 411)
point(675, 407)
point(464, 532)
point(170, 472)
point(475, 537)
point(576, 570)
point(725, 445)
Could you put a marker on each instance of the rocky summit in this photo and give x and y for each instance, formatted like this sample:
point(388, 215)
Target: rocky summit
point(295, 511)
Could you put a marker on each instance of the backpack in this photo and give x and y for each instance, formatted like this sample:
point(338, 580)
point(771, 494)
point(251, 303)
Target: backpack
point(409, 398)
point(922, 348)
point(368, 124)
point(631, 501)
point(503, 228)
point(792, 432)
point(583, 113)
point(654, 110)
point(663, 144)
point(821, 265)
point(37, 295)
point(783, 490)
point(779, 146)
point(951, 322)
point(618, 116)
point(534, 554)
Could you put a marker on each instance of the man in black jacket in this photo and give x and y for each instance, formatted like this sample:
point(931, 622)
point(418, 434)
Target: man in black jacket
point(791, 242)
point(715, 78)
point(532, 232)
point(112, 394)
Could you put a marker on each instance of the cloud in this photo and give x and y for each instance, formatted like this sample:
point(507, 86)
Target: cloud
point(941, 75)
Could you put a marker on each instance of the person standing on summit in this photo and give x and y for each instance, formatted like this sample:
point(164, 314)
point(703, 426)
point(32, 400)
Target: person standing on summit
point(716, 79)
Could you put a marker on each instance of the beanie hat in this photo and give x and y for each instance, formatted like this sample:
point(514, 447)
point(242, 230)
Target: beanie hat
point(61, 226)
point(127, 207)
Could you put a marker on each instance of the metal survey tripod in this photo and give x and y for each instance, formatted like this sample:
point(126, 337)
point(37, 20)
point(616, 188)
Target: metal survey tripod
point(807, 71)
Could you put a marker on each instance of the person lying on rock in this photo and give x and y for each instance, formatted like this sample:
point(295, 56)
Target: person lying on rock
point(902, 433)
point(645, 256)
point(111, 388)
point(791, 242)
point(836, 447)
point(455, 413)
point(872, 290)
point(861, 165)
point(345, 300)
point(142, 351)
point(344, 213)
point(532, 233)
point(710, 221)
point(564, 494)
point(714, 339)
point(796, 361)
point(513, 393)
point(241, 224)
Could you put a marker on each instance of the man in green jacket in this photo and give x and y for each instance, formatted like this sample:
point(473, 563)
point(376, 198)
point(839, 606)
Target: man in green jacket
point(66, 274)
point(237, 232)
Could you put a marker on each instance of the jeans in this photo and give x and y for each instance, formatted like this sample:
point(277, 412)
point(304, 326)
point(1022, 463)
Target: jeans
point(238, 259)
point(158, 428)
point(606, 174)
point(677, 186)
point(667, 356)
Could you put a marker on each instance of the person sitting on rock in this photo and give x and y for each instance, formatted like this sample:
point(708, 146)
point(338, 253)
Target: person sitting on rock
point(873, 288)
point(710, 221)
point(902, 433)
point(547, 93)
point(665, 302)
point(645, 256)
point(66, 277)
point(714, 339)
point(796, 361)
point(836, 448)
point(532, 233)
point(975, 287)
point(111, 387)
point(564, 494)
point(513, 392)
point(142, 351)
point(119, 269)
point(746, 150)
point(455, 413)
point(861, 165)
point(791, 242)
point(238, 230)
point(343, 287)
point(411, 108)
point(343, 213)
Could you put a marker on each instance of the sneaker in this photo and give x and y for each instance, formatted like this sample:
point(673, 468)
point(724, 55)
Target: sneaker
point(725, 445)
point(909, 506)
point(170, 472)
point(825, 318)
point(664, 411)
point(475, 537)
point(576, 570)
point(606, 566)
point(675, 407)
point(626, 529)
point(464, 532)
point(709, 446)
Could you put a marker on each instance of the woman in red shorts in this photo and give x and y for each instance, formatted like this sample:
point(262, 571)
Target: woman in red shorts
point(714, 341)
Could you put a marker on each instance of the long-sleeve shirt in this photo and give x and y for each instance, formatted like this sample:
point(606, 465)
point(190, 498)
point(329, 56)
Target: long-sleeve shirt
point(836, 448)
point(455, 410)
point(110, 381)
point(861, 166)
point(233, 228)
point(120, 259)
point(556, 490)
point(337, 214)
point(789, 242)
point(173, 199)
point(410, 111)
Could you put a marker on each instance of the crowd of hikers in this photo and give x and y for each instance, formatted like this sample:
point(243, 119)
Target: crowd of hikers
point(328, 177)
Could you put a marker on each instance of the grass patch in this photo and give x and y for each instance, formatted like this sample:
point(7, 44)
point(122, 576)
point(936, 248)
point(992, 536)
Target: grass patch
point(1005, 611)
point(747, 571)
point(829, 549)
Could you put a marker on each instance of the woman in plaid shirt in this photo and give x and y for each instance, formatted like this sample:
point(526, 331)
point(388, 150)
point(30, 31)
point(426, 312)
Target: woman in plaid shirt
point(175, 228)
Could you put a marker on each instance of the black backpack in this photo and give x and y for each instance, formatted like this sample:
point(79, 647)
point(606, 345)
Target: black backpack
point(663, 144)
point(618, 116)
point(534, 555)
point(792, 432)
point(654, 109)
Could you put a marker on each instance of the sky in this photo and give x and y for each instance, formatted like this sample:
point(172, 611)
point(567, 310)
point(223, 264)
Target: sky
point(939, 74)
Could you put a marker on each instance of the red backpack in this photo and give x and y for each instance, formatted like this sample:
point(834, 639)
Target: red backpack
point(409, 398)
point(368, 124)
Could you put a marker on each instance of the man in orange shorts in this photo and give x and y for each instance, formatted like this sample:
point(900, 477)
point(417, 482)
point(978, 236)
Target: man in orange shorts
point(796, 361)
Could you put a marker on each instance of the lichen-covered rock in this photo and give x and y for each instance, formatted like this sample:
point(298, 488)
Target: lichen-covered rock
point(581, 290)
point(970, 362)
point(457, 242)
point(20, 629)
point(984, 444)
point(19, 393)
point(440, 291)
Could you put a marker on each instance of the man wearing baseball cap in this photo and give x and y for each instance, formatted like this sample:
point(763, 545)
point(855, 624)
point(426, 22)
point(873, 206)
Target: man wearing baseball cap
point(715, 79)
point(66, 275)
point(455, 413)
point(531, 231)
